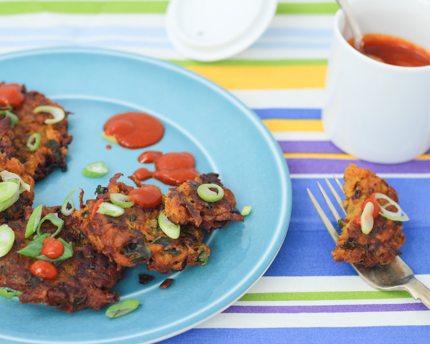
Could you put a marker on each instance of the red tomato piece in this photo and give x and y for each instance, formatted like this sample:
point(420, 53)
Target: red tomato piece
point(96, 207)
point(376, 206)
point(44, 269)
point(52, 248)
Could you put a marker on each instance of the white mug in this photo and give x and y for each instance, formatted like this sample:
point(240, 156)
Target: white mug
point(376, 111)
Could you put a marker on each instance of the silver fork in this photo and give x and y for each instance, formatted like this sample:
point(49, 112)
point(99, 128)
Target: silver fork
point(395, 276)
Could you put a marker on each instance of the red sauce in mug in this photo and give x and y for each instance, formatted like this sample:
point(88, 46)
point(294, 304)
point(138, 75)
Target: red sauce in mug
point(134, 129)
point(147, 196)
point(11, 94)
point(394, 50)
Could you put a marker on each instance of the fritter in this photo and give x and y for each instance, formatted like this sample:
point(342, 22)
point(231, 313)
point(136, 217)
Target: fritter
point(52, 150)
point(85, 280)
point(184, 206)
point(16, 210)
point(382, 244)
point(136, 238)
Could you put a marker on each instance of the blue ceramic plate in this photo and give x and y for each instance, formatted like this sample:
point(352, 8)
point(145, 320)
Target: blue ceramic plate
point(199, 117)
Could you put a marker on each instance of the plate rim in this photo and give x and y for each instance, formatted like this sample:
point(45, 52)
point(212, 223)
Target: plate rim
point(256, 272)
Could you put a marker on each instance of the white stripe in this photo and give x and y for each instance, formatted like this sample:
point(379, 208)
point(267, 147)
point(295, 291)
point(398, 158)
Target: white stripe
point(282, 54)
point(305, 1)
point(300, 136)
point(382, 175)
point(316, 284)
point(301, 98)
point(53, 36)
point(320, 21)
point(358, 319)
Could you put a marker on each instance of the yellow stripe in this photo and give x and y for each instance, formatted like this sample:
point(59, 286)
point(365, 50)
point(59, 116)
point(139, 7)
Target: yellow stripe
point(263, 77)
point(319, 156)
point(276, 125)
point(423, 157)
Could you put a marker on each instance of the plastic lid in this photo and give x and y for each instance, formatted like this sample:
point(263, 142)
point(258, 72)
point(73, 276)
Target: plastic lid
point(211, 30)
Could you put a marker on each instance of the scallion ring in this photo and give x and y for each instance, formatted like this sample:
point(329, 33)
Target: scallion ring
point(55, 111)
point(34, 220)
point(7, 238)
point(169, 228)
point(8, 293)
point(13, 117)
point(206, 194)
point(123, 308)
point(56, 221)
point(68, 211)
point(400, 215)
point(6, 175)
point(121, 200)
point(9, 194)
point(111, 139)
point(246, 210)
point(95, 170)
point(33, 142)
point(110, 209)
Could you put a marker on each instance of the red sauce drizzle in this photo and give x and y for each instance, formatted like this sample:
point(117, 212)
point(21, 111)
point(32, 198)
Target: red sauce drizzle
point(108, 147)
point(171, 169)
point(11, 94)
point(394, 50)
point(143, 174)
point(149, 157)
point(134, 129)
point(147, 196)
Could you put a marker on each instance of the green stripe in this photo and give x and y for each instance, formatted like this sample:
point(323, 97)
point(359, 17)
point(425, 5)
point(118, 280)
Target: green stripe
point(191, 63)
point(329, 295)
point(83, 7)
point(94, 7)
point(318, 8)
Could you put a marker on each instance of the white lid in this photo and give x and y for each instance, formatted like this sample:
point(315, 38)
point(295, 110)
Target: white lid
point(211, 30)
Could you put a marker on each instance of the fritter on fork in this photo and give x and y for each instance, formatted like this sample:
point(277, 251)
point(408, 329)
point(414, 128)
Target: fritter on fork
point(84, 280)
point(136, 238)
point(184, 206)
point(382, 244)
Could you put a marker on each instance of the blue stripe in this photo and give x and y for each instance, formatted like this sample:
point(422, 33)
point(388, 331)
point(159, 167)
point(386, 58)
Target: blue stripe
point(354, 335)
point(307, 248)
point(283, 32)
point(90, 43)
point(290, 45)
point(277, 113)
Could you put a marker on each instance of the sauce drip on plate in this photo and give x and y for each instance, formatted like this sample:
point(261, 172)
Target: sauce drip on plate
point(147, 196)
point(394, 50)
point(11, 94)
point(149, 156)
point(134, 129)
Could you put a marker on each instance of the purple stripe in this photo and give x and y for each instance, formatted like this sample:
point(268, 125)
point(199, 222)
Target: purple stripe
point(308, 147)
point(339, 166)
point(288, 113)
point(398, 307)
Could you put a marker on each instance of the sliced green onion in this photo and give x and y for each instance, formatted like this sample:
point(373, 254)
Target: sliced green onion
point(13, 117)
point(57, 112)
point(56, 221)
point(169, 228)
point(122, 308)
point(95, 170)
point(400, 215)
point(34, 246)
point(367, 220)
point(110, 209)
point(8, 293)
point(9, 194)
point(34, 220)
point(6, 175)
point(208, 195)
point(33, 142)
point(246, 210)
point(109, 138)
point(121, 200)
point(7, 238)
point(64, 210)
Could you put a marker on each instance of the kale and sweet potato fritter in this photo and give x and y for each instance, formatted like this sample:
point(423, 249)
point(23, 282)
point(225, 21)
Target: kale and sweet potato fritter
point(84, 280)
point(382, 244)
point(136, 238)
point(52, 150)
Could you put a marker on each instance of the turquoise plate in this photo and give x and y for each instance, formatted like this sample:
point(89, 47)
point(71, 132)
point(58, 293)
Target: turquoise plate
point(200, 118)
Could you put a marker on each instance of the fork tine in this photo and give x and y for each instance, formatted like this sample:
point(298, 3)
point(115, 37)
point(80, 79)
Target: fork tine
point(323, 217)
point(339, 184)
point(330, 205)
point(338, 200)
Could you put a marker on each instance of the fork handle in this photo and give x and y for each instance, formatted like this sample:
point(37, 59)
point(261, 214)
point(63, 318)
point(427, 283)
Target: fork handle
point(419, 291)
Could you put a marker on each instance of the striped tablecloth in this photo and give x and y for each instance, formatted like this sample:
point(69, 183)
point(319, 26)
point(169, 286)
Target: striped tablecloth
point(304, 296)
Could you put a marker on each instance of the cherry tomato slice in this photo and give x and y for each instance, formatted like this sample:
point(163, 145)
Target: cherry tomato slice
point(52, 248)
point(96, 207)
point(357, 220)
point(44, 269)
point(376, 206)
